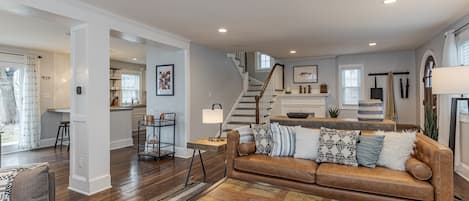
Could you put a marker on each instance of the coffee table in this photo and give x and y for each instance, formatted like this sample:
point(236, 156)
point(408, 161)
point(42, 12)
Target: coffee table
point(233, 189)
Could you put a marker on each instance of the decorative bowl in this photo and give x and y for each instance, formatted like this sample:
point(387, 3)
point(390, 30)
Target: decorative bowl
point(297, 115)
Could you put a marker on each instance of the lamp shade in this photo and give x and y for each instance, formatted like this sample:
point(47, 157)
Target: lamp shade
point(212, 116)
point(450, 80)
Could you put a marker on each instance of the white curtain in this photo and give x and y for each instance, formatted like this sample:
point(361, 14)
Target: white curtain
point(450, 58)
point(29, 109)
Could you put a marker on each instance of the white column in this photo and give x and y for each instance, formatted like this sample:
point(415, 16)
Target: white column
point(90, 124)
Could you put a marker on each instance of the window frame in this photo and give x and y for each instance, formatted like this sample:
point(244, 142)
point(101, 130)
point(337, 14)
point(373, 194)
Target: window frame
point(140, 91)
point(362, 84)
point(258, 60)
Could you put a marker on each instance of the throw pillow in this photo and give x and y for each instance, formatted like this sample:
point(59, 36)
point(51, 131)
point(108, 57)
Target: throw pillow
point(263, 138)
point(245, 134)
point(370, 110)
point(283, 140)
point(307, 143)
point(338, 146)
point(418, 169)
point(368, 149)
point(397, 148)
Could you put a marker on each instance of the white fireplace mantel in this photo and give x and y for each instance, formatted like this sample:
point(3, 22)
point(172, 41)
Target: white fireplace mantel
point(308, 103)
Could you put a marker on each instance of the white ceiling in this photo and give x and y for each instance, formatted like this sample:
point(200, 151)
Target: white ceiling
point(312, 27)
point(29, 28)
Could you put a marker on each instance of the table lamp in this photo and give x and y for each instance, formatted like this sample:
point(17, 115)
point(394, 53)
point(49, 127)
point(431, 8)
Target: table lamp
point(213, 116)
point(451, 80)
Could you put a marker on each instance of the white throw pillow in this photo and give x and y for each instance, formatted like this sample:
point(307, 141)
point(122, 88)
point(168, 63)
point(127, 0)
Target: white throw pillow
point(307, 143)
point(397, 149)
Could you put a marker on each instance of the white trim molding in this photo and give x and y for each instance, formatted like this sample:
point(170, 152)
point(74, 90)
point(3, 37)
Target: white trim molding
point(362, 84)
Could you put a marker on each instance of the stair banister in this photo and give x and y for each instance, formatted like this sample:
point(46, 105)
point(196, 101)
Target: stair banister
point(264, 87)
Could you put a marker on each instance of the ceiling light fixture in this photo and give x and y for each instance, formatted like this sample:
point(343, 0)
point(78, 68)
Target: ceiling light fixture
point(222, 30)
point(135, 59)
point(389, 1)
point(292, 51)
point(372, 44)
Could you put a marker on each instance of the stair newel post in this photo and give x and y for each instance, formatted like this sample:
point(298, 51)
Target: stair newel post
point(257, 109)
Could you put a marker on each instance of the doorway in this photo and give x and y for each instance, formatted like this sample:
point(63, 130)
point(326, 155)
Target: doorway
point(430, 122)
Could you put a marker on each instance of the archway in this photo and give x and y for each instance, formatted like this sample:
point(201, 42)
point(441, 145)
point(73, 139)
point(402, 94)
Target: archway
point(428, 106)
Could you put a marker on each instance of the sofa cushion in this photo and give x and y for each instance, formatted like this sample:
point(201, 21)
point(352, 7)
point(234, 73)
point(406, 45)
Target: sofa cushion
point(378, 180)
point(283, 167)
point(32, 183)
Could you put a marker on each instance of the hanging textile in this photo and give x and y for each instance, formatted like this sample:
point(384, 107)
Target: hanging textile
point(391, 112)
point(29, 109)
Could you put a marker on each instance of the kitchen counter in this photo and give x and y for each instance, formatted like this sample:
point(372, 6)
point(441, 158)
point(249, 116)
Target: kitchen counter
point(112, 109)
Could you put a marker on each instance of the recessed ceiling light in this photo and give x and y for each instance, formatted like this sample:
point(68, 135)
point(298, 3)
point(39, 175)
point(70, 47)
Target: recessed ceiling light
point(135, 59)
point(372, 44)
point(222, 30)
point(292, 51)
point(389, 1)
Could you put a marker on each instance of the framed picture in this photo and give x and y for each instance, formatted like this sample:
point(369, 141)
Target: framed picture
point(305, 74)
point(165, 80)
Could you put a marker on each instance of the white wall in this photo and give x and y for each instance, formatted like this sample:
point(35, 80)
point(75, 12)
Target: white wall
point(177, 103)
point(214, 79)
point(386, 62)
point(327, 72)
point(373, 63)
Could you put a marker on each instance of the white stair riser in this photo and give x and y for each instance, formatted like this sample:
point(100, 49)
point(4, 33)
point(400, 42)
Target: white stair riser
point(242, 119)
point(250, 99)
point(252, 112)
point(252, 93)
point(249, 105)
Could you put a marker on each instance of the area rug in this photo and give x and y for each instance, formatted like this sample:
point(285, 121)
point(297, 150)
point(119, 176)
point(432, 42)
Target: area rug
point(232, 189)
point(181, 193)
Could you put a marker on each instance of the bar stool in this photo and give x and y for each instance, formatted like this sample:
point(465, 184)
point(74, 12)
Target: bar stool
point(64, 132)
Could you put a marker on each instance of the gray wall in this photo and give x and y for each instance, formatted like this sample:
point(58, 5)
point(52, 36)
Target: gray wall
point(213, 79)
point(386, 62)
point(436, 46)
point(176, 103)
point(327, 72)
point(251, 61)
point(373, 63)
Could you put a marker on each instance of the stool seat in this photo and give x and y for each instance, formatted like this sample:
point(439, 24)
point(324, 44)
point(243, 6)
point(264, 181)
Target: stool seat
point(64, 122)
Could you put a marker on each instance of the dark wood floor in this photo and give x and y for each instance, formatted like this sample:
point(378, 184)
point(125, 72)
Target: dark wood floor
point(134, 179)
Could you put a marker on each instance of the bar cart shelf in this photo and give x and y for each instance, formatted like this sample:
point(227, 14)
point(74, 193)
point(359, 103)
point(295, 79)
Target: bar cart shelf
point(157, 145)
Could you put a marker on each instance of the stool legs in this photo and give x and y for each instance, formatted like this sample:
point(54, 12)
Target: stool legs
point(57, 137)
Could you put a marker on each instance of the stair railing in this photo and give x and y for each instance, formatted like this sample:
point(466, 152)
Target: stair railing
point(265, 97)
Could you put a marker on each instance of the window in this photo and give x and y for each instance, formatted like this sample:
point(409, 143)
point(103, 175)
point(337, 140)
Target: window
point(130, 89)
point(464, 53)
point(264, 62)
point(351, 85)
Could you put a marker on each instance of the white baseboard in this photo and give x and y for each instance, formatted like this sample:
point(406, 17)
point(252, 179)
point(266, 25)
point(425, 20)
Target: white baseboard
point(119, 144)
point(95, 185)
point(463, 171)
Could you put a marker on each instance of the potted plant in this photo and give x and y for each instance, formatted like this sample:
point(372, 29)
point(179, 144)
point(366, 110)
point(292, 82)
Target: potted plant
point(334, 111)
point(431, 127)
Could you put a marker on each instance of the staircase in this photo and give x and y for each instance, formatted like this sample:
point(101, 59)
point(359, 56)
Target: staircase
point(243, 112)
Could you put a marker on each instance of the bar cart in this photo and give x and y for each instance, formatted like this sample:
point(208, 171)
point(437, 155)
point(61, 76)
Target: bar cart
point(154, 143)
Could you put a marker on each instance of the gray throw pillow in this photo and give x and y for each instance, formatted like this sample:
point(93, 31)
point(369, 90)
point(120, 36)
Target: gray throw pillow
point(283, 138)
point(368, 149)
point(263, 138)
point(338, 146)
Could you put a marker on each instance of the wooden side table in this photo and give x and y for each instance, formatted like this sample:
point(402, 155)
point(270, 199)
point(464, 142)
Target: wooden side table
point(206, 145)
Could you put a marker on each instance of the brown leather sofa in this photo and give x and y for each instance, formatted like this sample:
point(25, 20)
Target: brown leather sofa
point(345, 182)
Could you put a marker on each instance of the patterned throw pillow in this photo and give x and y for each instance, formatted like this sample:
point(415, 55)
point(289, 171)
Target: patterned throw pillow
point(263, 138)
point(338, 146)
point(284, 140)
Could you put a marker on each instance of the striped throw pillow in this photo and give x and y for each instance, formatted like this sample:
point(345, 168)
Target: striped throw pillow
point(283, 140)
point(370, 110)
point(245, 134)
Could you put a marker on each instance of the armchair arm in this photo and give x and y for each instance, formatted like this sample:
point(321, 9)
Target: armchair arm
point(440, 159)
point(231, 151)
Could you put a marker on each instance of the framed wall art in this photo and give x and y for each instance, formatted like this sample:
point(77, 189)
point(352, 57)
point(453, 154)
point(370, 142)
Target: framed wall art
point(165, 80)
point(305, 74)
